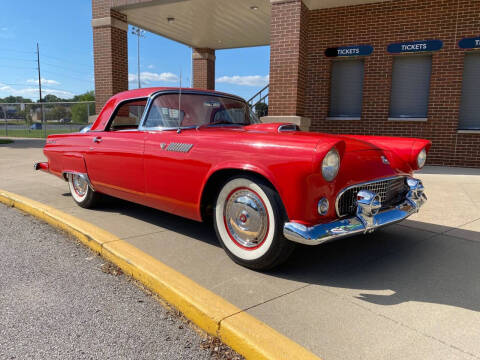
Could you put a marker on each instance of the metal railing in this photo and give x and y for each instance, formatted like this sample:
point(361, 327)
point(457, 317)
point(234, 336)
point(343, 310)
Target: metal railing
point(38, 120)
point(259, 101)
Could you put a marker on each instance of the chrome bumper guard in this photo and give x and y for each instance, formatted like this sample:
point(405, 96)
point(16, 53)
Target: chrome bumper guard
point(367, 219)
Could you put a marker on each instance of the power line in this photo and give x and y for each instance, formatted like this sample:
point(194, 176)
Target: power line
point(64, 59)
point(16, 59)
point(63, 68)
point(68, 76)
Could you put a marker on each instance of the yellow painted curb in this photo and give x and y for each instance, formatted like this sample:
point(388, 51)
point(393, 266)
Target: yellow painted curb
point(241, 331)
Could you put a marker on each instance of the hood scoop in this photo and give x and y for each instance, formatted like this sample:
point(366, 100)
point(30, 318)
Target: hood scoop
point(288, 127)
point(273, 127)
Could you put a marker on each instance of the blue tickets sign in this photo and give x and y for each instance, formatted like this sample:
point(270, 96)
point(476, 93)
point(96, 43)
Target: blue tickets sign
point(354, 50)
point(415, 46)
point(469, 43)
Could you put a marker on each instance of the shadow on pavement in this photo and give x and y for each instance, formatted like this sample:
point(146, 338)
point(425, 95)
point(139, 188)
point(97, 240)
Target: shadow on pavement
point(407, 263)
point(200, 231)
point(442, 170)
point(24, 143)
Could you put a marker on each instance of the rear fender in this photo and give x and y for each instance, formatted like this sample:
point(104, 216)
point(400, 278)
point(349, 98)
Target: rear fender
point(73, 162)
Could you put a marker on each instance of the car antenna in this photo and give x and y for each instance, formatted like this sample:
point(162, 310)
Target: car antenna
point(179, 103)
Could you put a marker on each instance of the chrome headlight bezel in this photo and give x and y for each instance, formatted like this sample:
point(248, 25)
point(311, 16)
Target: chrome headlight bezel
point(331, 165)
point(421, 158)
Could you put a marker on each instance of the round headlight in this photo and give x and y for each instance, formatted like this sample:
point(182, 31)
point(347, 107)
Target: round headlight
point(421, 158)
point(330, 165)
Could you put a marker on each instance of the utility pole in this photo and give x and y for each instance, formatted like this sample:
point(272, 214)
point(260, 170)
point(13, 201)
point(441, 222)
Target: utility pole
point(40, 92)
point(140, 33)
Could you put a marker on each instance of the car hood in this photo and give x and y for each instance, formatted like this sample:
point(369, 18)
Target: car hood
point(351, 144)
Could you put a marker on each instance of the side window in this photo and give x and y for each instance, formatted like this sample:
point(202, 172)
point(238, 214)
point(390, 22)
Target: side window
point(410, 87)
point(128, 115)
point(346, 89)
point(470, 104)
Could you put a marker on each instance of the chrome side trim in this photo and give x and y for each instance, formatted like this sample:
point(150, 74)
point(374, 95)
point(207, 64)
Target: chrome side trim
point(179, 147)
point(365, 221)
point(84, 176)
point(360, 184)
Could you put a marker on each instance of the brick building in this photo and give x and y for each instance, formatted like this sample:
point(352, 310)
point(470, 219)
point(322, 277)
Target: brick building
point(391, 67)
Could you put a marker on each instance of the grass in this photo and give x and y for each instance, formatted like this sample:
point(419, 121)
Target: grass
point(33, 133)
point(5, 141)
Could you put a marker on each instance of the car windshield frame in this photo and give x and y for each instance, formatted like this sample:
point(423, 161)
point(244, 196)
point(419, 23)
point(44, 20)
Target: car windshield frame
point(253, 117)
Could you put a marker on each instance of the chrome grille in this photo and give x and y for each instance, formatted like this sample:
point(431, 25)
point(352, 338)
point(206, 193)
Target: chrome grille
point(179, 147)
point(391, 191)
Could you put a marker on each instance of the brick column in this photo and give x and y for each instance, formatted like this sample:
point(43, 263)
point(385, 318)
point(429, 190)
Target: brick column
point(288, 61)
point(203, 68)
point(110, 51)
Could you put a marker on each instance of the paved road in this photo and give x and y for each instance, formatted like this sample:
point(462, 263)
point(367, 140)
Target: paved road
point(57, 303)
point(409, 291)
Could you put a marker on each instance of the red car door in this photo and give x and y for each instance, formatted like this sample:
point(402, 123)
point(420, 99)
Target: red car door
point(114, 159)
point(115, 163)
point(172, 178)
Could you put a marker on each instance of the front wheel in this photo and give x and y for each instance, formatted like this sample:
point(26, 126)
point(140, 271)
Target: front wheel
point(249, 219)
point(81, 192)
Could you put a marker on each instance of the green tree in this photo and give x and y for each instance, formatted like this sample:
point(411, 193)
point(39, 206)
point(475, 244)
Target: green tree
point(88, 96)
point(80, 111)
point(15, 99)
point(261, 109)
point(58, 112)
point(51, 98)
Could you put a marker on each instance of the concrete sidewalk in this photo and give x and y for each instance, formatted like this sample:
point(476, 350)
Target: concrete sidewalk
point(407, 291)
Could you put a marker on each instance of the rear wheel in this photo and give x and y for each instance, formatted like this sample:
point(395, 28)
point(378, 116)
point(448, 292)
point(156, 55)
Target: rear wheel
point(81, 192)
point(249, 219)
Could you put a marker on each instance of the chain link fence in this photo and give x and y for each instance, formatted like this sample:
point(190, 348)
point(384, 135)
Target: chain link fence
point(37, 120)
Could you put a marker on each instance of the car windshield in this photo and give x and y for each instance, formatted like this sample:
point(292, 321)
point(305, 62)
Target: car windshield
point(194, 110)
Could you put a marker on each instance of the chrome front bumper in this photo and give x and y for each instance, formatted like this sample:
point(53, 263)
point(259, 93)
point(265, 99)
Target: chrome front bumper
point(367, 219)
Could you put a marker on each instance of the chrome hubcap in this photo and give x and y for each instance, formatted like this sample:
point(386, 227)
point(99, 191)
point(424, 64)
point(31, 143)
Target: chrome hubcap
point(246, 218)
point(79, 185)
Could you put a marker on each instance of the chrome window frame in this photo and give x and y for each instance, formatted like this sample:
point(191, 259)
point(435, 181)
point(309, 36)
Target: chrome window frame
point(156, 94)
point(114, 112)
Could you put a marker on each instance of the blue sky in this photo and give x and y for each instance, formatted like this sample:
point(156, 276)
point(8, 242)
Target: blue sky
point(64, 33)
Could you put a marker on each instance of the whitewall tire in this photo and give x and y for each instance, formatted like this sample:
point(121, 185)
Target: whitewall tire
point(81, 192)
point(249, 219)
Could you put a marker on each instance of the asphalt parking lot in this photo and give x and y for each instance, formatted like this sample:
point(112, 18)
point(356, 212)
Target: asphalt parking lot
point(61, 301)
point(410, 291)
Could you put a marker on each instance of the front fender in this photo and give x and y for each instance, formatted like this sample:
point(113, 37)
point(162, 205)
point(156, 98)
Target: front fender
point(232, 165)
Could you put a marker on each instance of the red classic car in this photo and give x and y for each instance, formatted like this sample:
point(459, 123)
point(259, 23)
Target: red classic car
point(204, 154)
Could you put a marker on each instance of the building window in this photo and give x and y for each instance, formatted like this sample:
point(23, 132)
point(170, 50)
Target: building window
point(346, 88)
point(410, 87)
point(470, 105)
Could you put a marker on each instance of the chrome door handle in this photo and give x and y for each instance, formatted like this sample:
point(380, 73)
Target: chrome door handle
point(97, 139)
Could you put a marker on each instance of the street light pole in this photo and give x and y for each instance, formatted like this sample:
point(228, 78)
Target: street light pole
point(40, 92)
point(140, 33)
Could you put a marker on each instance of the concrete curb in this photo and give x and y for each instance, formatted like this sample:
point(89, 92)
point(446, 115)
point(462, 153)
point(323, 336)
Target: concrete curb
point(241, 331)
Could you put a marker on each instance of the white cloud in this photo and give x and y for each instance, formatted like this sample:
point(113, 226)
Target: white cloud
point(32, 92)
point(149, 77)
point(5, 33)
point(44, 81)
point(249, 80)
point(151, 66)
